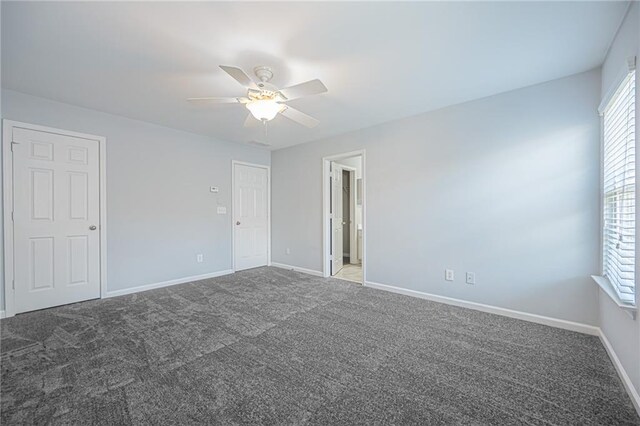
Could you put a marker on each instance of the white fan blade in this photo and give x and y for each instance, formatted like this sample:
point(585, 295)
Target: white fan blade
point(240, 76)
point(299, 117)
point(215, 100)
point(251, 121)
point(309, 88)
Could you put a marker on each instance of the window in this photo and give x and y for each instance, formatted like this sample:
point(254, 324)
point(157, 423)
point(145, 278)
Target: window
point(619, 185)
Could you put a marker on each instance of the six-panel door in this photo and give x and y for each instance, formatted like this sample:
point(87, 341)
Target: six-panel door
point(56, 219)
point(251, 216)
point(336, 219)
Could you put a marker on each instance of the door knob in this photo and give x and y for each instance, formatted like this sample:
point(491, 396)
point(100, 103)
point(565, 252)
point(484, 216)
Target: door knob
point(92, 228)
point(238, 223)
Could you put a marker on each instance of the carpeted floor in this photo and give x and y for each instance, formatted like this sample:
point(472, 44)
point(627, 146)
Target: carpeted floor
point(269, 346)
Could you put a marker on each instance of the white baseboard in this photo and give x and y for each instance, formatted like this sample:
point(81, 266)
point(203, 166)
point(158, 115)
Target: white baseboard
point(628, 384)
point(539, 319)
point(146, 287)
point(297, 269)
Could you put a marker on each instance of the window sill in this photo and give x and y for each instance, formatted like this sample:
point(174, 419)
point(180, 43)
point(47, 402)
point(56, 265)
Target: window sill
point(608, 289)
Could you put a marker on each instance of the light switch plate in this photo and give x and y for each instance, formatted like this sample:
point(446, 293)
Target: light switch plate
point(222, 210)
point(214, 189)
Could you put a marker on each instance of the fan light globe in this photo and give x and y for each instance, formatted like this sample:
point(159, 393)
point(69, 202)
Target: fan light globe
point(264, 109)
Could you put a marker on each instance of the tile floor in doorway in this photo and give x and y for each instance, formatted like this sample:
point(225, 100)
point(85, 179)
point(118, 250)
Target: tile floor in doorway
point(350, 272)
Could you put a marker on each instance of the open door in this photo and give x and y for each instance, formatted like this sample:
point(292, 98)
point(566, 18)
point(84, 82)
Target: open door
point(336, 218)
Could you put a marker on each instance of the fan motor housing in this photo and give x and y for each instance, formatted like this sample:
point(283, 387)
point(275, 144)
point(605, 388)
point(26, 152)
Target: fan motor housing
point(263, 73)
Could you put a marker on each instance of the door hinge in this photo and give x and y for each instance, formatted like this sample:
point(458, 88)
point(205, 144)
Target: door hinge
point(13, 284)
point(11, 215)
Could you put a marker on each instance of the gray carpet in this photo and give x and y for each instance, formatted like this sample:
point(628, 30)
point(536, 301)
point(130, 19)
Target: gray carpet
point(269, 346)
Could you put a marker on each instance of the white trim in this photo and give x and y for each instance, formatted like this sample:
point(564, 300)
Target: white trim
point(233, 202)
point(297, 269)
point(629, 67)
point(326, 228)
point(161, 284)
point(7, 136)
point(539, 319)
point(2, 314)
point(608, 289)
point(624, 377)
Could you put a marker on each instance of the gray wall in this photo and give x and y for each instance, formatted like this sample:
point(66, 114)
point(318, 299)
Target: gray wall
point(620, 329)
point(506, 187)
point(160, 212)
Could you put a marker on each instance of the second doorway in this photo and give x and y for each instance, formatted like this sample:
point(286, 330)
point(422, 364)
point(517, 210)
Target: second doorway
point(346, 218)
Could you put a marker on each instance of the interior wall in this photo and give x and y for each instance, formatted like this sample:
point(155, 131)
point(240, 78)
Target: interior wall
point(160, 211)
point(621, 330)
point(506, 187)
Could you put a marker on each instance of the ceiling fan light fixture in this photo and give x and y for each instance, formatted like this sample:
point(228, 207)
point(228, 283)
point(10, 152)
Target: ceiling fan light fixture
point(264, 109)
point(264, 100)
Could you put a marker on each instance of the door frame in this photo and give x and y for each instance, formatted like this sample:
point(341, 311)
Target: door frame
point(233, 203)
point(326, 216)
point(7, 187)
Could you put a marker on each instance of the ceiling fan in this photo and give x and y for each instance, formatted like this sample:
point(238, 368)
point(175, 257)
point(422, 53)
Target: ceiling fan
point(264, 100)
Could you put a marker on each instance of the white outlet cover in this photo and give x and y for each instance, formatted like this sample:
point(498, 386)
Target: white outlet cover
point(214, 189)
point(222, 210)
point(449, 274)
point(199, 258)
point(471, 278)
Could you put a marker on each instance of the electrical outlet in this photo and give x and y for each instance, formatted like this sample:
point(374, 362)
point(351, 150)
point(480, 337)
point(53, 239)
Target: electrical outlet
point(288, 251)
point(449, 274)
point(214, 189)
point(222, 210)
point(199, 258)
point(471, 277)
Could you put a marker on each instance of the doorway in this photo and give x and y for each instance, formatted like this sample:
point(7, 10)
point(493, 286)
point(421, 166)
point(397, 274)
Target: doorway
point(251, 207)
point(343, 186)
point(54, 221)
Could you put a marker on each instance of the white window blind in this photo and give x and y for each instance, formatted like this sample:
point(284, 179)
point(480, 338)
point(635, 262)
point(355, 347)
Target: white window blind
point(619, 185)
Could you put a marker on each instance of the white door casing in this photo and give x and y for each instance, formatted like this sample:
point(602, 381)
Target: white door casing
point(327, 230)
point(56, 219)
point(336, 219)
point(250, 215)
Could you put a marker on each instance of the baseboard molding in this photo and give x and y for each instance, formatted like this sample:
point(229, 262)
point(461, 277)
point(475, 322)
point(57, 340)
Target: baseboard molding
point(539, 319)
point(622, 373)
point(166, 283)
point(297, 269)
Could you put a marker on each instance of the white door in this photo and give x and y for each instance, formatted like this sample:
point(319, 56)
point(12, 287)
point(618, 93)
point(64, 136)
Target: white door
point(336, 218)
point(251, 216)
point(56, 219)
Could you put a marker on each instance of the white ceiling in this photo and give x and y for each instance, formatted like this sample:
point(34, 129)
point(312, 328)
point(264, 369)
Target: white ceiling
point(380, 61)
